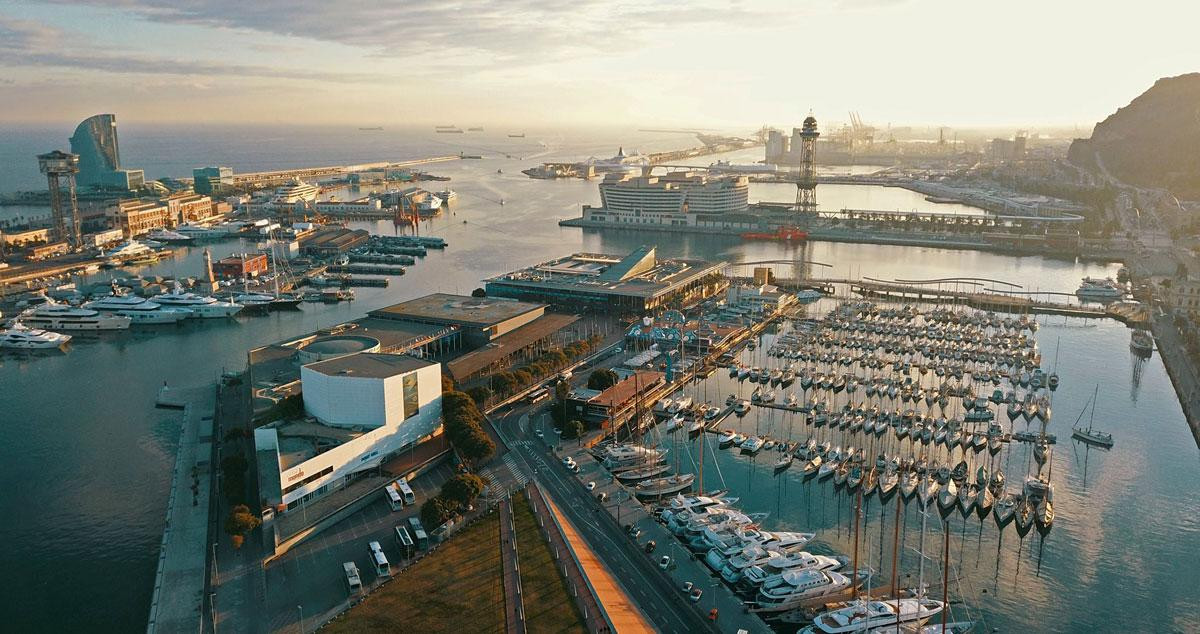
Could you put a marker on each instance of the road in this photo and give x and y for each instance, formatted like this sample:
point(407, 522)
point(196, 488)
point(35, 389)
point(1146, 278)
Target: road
point(654, 595)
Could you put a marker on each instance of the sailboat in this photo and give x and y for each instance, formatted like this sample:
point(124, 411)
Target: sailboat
point(1091, 435)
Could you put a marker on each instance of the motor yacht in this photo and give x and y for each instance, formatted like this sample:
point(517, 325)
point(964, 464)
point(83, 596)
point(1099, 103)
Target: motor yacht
point(794, 588)
point(139, 310)
point(55, 316)
point(863, 615)
point(20, 337)
point(201, 306)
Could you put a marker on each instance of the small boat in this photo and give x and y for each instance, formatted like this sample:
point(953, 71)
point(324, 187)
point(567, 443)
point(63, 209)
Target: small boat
point(1141, 343)
point(784, 462)
point(634, 475)
point(752, 445)
point(726, 438)
point(664, 486)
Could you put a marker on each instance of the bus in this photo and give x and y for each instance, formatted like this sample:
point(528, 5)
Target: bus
point(405, 541)
point(382, 567)
point(538, 395)
point(419, 532)
point(393, 497)
point(406, 491)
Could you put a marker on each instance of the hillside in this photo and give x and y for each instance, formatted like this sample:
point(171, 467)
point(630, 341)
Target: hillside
point(1153, 141)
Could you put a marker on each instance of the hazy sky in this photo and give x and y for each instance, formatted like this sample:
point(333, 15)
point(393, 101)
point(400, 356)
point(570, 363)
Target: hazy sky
point(530, 62)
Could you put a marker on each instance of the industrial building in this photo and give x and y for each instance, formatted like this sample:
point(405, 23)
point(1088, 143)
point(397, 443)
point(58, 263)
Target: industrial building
point(333, 241)
point(638, 283)
point(95, 141)
point(362, 409)
point(241, 266)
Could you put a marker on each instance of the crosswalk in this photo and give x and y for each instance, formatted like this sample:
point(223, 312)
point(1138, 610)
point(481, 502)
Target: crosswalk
point(504, 478)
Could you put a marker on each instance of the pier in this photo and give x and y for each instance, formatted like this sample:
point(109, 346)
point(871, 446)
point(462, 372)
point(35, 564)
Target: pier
point(277, 177)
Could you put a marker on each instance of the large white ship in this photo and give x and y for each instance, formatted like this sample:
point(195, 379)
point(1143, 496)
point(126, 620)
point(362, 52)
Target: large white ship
point(53, 316)
point(295, 192)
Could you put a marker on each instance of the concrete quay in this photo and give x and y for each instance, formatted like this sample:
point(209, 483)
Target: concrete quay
point(179, 581)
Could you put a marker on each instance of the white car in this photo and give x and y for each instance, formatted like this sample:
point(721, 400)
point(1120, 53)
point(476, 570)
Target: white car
point(664, 563)
point(539, 433)
point(568, 461)
point(591, 486)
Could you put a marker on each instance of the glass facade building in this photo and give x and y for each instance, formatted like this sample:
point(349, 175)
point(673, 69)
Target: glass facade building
point(95, 141)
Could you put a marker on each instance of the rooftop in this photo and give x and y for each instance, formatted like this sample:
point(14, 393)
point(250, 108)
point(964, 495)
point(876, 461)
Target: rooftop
point(369, 365)
point(627, 389)
point(507, 344)
point(641, 273)
point(457, 309)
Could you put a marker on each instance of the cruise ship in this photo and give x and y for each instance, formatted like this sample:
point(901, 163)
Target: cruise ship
point(294, 192)
point(54, 316)
point(621, 163)
point(201, 306)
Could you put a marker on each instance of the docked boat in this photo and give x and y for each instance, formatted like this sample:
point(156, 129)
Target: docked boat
point(447, 195)
point(201, 306)
point(793, 588)
point(664, 486)
point(54, 316)
point(20, 337)
point(166, 235)
point(623, 456)
point(863, 615)
point(139, 310)
point(741, 406)
point(634, 475)
point(1141, 343)
point(752, 445)
point(1099, 289)
point(429, 205)
point(126, 250)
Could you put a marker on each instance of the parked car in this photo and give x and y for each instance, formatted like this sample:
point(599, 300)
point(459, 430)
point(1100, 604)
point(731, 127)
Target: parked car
point(664, 563)
point(695, 594)
point(650, 546)
point(591, 486)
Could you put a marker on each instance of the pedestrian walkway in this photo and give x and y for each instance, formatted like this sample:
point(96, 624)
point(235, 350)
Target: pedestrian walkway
point(617, 604)
point(514, 605)
point(178, 597)
point(596, 620)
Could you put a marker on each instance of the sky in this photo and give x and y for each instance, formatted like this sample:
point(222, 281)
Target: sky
point(697, 63)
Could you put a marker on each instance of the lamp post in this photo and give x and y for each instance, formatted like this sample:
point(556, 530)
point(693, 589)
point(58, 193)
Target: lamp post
point(301, 609)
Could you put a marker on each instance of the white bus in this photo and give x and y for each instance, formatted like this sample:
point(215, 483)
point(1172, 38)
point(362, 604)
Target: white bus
point(405, 541)
point(393, 497)
point(406, 491)
point(382, 568)
point(538, 395)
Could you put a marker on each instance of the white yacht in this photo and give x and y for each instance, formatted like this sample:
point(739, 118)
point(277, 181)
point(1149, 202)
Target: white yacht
point(1099, 289)
point(200, 305)
point(53, 316)
point(863, 615)
point(166, 235)
point(21, 338)
point(619, 456)
point(447, 195)
point(793, 588)
point(778, 565)
point(139, 310)
point(128, 249)
point(431, 203)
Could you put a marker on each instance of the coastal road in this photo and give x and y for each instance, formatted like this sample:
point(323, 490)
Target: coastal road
point(664, 604)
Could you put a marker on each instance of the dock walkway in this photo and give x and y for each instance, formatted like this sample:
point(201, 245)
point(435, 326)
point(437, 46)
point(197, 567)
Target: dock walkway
point(179, 579)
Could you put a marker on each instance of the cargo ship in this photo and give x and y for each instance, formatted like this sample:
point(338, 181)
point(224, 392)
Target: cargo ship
point(785, 234)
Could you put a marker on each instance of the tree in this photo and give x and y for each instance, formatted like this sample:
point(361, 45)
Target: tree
point(480, 394)
point(573, 429)
point(240, 522)
point(479, 292)
point(435, 512)
point(562, 390)
point(462, 489)
point(602, 379)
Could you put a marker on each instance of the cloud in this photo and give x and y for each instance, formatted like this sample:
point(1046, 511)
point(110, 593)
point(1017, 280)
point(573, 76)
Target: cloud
point(24, 43)
point(510, 31)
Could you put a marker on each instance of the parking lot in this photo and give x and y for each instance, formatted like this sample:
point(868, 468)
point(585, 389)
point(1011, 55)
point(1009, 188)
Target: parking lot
point(308, 581)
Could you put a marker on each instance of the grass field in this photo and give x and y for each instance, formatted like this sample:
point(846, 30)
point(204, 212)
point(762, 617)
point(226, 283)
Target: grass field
point(549, 606)
point(456, 589)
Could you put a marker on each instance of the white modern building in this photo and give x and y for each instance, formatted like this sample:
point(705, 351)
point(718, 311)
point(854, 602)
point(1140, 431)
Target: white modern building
point(362, 409)
point(678, 198)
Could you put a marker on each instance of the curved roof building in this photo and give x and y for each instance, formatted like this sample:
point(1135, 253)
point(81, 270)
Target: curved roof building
point(95, 141)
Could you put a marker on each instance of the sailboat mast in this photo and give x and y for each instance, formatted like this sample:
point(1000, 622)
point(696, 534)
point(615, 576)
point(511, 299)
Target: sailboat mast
point(896, 556)
point(854, 573)
point(945, 574)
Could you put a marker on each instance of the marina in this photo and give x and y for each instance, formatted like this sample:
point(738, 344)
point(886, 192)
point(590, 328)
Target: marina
point(1025, 578)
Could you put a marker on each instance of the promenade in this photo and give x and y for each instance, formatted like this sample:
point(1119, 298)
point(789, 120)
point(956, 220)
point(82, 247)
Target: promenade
point(1180, 368)
point(179, 579)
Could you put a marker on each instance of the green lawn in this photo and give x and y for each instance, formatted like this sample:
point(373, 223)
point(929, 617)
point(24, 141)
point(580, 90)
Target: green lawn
point(456, 589)
point(549, 606)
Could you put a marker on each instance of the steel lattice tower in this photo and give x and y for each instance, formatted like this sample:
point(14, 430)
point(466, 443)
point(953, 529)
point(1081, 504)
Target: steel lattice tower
point(61, 165)
point(806, 182)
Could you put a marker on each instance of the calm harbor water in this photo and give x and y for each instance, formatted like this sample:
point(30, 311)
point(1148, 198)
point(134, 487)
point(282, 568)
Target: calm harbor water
point(87, 463)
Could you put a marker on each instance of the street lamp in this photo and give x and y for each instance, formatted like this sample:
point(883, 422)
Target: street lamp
point(301, 609)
